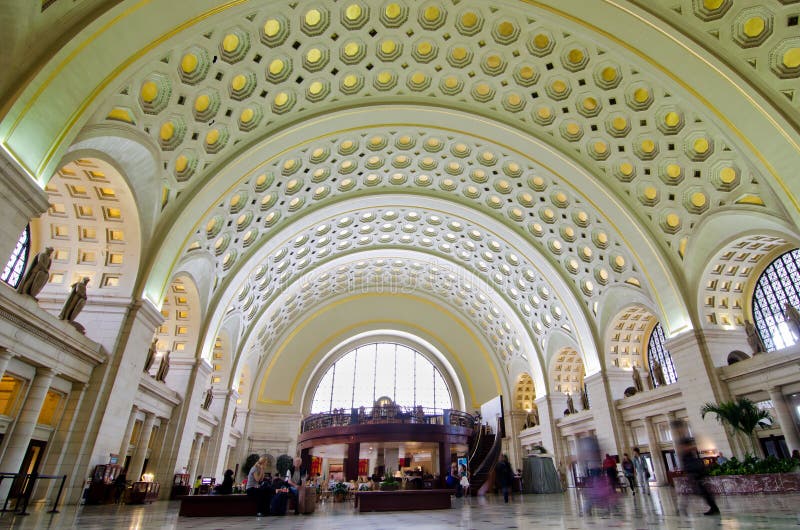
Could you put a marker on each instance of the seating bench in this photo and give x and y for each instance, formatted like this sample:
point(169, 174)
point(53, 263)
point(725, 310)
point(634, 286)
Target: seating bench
point(403, 500)
point(217, 505)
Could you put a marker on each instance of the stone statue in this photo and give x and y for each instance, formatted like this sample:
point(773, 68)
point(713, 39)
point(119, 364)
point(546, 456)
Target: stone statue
point(38, 274)
point(151, 355)
point(584, 399)
point(209, 397)
point(570, 404)
point(163, 368)
point(75, 301)
point(658, 374)
point(753, 338)
point(637, 379)
point(792, 317)
point(235, 417)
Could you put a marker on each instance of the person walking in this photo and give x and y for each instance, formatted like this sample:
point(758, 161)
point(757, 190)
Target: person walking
point(641, 470)
point(629, 470)
point(694, 470)
point(504, 475)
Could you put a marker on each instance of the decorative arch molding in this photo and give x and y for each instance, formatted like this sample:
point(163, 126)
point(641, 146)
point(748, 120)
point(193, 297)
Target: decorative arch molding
point(375, 271)
point(428, 350)
point(618, 300)
point(200, 268)
point(627, 335)
point(93, 225)
point(559, 342)
point(181, 308)
point(225, 368)
point(618, 25)
point(730, 254)
point(573, 312)
point(132, 154)
point(300, 351)
point(635, 240)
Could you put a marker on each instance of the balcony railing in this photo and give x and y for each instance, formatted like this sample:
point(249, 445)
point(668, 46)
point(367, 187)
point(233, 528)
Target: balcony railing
point(388, 414)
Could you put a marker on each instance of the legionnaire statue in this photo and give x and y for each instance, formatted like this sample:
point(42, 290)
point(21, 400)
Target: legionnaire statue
point(38, 274)
point(75, 301)
point(570, 404)
point(658, 374)
point(584, 399)
point(209, 397)
point(753, 338)
point(637, 379)
point(235, 417)
point(151, 355)
point(792, 317)
point(163, 368)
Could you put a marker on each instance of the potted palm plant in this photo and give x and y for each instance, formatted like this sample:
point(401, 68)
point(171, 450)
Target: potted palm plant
point(339, 492)
point(740, 417)
point(389, 483)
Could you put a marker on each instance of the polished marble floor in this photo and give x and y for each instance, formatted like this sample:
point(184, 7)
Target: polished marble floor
point(660, 510)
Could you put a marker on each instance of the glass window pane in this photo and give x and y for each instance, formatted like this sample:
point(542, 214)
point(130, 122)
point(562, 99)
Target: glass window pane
point(362, 376)
point(322, 399)
point(343, 383)
point(443, 400)
point(776, 287)
point(365, 377)
point(657, 352)
point(425, 383)
point(384, 373)
point(404, 386)
point(15, 267)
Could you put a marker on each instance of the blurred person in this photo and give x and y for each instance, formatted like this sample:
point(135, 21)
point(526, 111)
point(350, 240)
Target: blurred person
point(692, 466)
point(641, 471)
point(504, 475)
point(629, 471)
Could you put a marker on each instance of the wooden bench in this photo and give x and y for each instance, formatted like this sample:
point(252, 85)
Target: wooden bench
point(217, 505)
point(403, 500)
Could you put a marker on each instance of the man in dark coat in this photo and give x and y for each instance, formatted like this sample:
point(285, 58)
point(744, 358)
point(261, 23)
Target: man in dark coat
point(504, 475)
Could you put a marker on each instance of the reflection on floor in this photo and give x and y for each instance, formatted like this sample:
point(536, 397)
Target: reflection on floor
point(660, 510)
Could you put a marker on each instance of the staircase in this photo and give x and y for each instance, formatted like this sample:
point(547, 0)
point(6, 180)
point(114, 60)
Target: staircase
point(484, 455)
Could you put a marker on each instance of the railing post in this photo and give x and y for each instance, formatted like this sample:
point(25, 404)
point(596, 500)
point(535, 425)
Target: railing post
point(27, 491)
point(58, 496)
point(5, 504)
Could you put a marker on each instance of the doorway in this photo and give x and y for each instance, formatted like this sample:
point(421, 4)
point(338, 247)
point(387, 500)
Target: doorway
point(30, 465)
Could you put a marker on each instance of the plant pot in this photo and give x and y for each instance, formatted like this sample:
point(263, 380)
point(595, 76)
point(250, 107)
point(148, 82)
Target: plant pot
point(390, 487)
point(339, 497)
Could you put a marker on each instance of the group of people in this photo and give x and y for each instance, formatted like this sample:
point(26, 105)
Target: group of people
point(272, 494)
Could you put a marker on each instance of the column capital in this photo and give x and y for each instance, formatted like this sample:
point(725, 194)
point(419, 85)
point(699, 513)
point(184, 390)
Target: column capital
point(5, 354)
point(45, 371)
point(775, 389)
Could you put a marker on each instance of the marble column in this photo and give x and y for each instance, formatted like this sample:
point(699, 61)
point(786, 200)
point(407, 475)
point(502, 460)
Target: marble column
point(142, 446)
point(351, 464)
point(655, 452)
point(126, 439)
point(194, 457)
point(699, 383)
point(547, 426)
point(785, 418)
point(22, 200)
point(20, 436)
point(189, 377)
point(604, 412)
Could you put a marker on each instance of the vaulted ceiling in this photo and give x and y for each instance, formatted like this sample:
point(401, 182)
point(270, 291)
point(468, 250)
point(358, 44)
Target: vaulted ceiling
point(530, 167)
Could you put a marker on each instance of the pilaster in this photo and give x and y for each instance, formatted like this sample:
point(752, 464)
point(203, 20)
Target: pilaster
point(22, 200)
point(606, 423)
point(699, 384)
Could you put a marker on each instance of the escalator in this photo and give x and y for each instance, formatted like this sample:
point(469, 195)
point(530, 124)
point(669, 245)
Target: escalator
point(483, 458)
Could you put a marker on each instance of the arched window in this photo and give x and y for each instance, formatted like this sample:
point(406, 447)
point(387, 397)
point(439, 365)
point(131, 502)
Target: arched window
point(658, 352)
point(381, 370)
point(12, 273)
point(777, 286)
